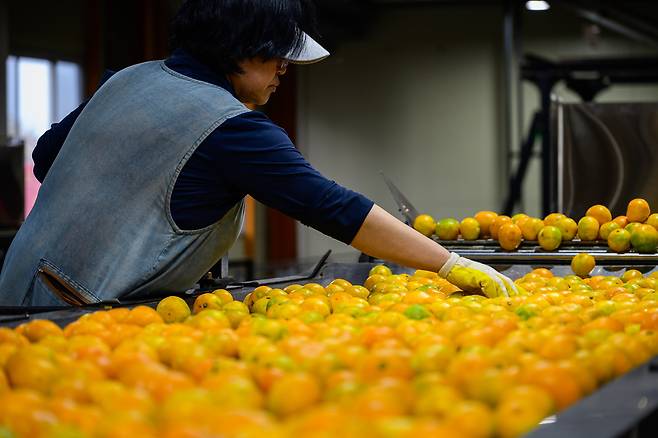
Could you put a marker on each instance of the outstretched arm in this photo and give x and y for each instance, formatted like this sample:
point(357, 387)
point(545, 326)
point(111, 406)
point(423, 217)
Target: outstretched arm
point(384, 237)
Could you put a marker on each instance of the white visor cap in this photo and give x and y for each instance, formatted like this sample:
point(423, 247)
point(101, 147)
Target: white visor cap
point(310, 52)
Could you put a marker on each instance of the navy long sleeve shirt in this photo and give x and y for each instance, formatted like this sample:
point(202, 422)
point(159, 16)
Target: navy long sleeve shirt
point(246, 155)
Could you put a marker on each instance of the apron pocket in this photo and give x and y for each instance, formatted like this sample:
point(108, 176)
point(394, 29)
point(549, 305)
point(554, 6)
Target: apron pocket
point(51, 287)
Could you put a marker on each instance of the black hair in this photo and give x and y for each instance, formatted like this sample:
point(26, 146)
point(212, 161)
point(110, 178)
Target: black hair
point(221, 33)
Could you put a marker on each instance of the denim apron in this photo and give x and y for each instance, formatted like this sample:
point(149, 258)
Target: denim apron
point(101, 227)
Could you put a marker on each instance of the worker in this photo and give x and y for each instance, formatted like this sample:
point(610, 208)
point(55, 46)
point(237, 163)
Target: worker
point(143, 185)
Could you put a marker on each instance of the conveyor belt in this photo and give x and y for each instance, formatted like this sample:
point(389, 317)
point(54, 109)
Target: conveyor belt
point(489, 251)
point(625, 407)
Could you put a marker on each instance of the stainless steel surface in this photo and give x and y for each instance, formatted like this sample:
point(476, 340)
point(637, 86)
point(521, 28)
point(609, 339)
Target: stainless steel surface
point(610, 154)
point(560, 155)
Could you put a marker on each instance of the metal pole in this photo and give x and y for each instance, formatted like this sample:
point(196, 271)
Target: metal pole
point(547, 166)
point(508, 140)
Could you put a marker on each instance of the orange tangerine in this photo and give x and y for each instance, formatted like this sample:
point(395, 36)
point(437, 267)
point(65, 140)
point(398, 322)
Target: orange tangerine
point(32, 367)
point(552, 218)
point(638, 210)
point(652, 220)
point(40, 328)
point(469, 228)
point(471, 418)
point(425, 224)
point(520, 410)
point(630, 274)
point(644, 239)
point(119, 314)
point(173, 309)
point(485, 218)
point(260, 292)
point(559, 383)
point(543, 272)
point(522, 220)
point(568, 227)
point(207, 301)
point(530, 228)
point(588, 228)
point(447, 229)
point(293, 393)
point(599, 212)
point(559, 346)
point(621, 220)
point(143, 316)
point(583, 264)
point(632, 226)
point(510, 236)
point(607, 228)
point(497, 223)
point(619, 240)
point(382, 270)
point(519, 217)
point(549, 237)
point(226, 296)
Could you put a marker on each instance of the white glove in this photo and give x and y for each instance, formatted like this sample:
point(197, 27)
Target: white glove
point(471, 276)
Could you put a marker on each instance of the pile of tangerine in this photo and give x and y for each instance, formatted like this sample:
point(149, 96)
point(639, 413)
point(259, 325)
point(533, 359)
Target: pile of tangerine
point(402, 356)
point(637, 229)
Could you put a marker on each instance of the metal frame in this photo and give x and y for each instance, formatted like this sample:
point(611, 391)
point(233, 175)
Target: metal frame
point(530, 253)
point(585, 77)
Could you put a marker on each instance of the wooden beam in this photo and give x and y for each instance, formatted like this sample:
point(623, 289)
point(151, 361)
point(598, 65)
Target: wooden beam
point(94, 50)
point(281, 229)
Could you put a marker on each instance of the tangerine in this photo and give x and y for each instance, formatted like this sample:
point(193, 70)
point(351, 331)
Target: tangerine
point(549, 237)
point(38, 329)
point(568, 227)
point(638, 210)
point(485, 218)
point(425, 224)
point(619, 240)
point(143, 316)
point(510, 236)
point(588, 228)
point(552, 218)
point(293, 393)
point(599, 212)
point(447, 229)
point(621, 220)
point(531, 227)
point(583, 264)
point(652, 220)
point(469, 228)
point(207, 301)
point(173, 309)
point(497, 223)
point(644, 239)
point(608, 228)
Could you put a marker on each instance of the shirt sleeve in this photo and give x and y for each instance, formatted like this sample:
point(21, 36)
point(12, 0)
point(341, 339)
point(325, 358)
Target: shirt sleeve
point(50, 143)
point(258, 158)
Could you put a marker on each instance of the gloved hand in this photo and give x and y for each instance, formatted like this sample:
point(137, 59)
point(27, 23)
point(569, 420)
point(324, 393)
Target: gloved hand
point(471, 276)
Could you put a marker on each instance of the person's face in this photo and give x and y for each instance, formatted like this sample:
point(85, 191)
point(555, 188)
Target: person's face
point(259, 80)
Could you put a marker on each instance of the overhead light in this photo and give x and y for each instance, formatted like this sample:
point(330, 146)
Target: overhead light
point(537, 5)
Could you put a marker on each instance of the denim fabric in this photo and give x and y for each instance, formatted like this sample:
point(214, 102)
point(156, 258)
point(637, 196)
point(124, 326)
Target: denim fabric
point(101, 227)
